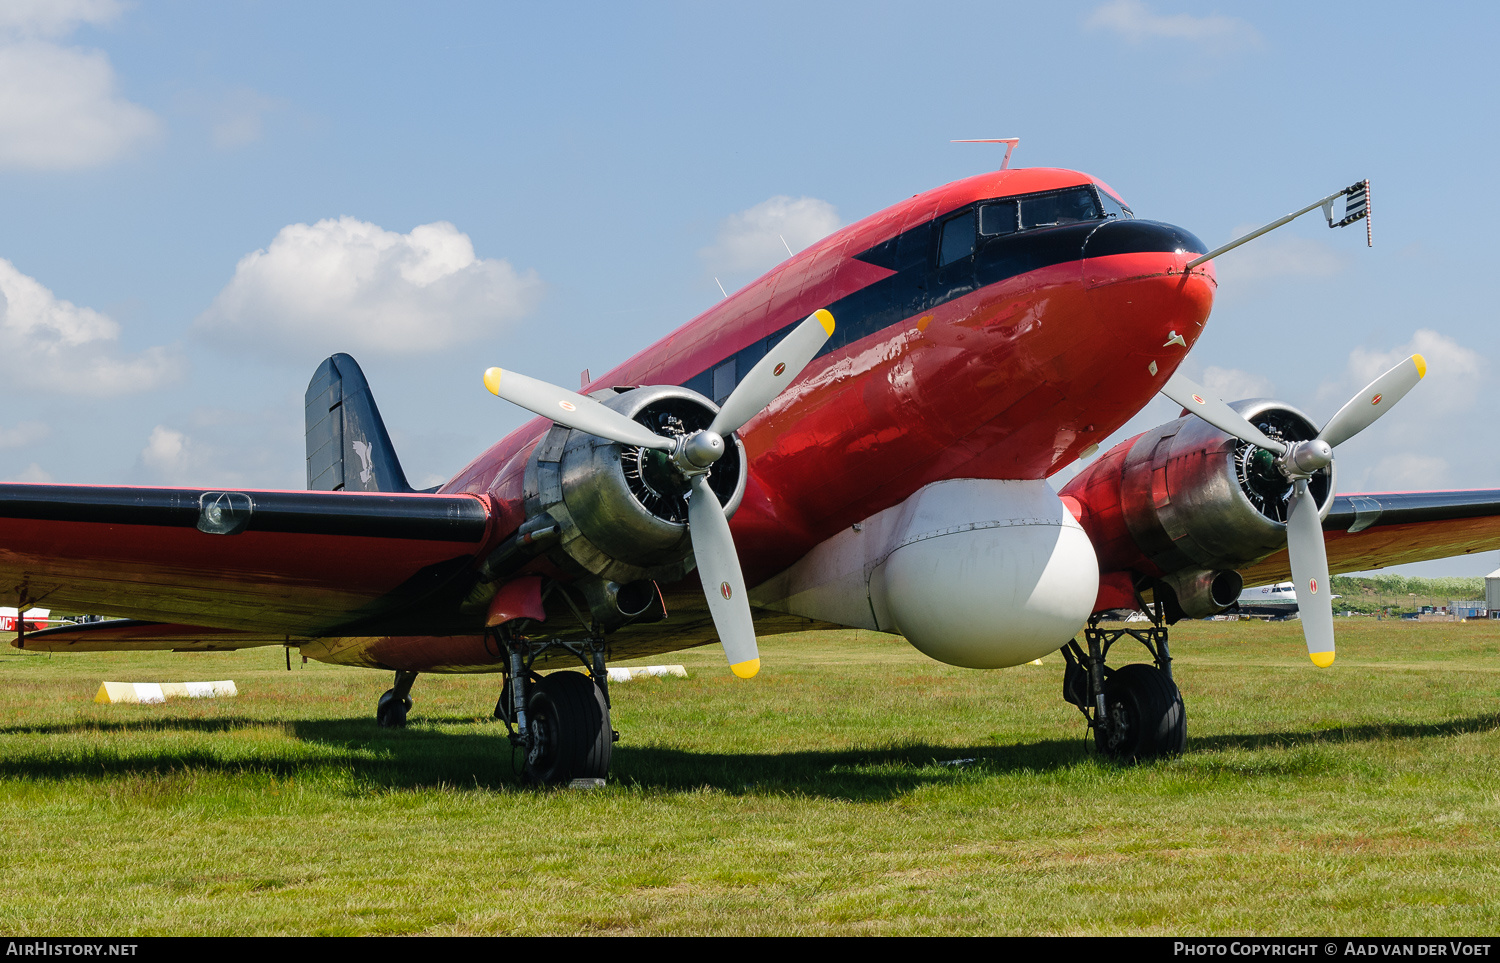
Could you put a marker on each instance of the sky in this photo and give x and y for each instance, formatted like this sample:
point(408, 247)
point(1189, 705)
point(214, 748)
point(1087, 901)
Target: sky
point(202, 201)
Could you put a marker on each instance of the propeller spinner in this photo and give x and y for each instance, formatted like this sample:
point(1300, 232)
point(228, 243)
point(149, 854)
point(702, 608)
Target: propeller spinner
point(1297, 462)
point(692, 456)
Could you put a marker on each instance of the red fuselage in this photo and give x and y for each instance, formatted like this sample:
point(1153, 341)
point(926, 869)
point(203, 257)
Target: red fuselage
point(1004, 361)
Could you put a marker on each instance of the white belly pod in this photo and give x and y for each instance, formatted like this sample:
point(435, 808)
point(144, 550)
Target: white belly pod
point(973, 572)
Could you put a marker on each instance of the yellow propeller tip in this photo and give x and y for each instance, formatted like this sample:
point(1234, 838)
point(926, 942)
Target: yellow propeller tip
point(1421, 365)
point(1321, 659)
point(492, 380)
point(825, 319)
point(746, 669)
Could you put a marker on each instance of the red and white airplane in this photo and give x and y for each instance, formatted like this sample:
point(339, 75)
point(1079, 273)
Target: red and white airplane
point(861, 437)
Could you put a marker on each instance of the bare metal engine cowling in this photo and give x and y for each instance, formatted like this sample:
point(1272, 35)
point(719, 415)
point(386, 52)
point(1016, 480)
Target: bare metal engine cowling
point(622, 514)
point(1196, 502)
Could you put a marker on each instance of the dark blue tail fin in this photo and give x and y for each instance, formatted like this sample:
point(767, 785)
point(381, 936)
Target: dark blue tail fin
point(348, 448)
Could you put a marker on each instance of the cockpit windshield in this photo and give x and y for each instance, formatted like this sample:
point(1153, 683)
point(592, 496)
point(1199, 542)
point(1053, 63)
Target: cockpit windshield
point(1050, 209)
point(1063, 207)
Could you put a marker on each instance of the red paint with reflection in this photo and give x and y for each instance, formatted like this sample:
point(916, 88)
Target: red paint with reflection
point(1010, 381)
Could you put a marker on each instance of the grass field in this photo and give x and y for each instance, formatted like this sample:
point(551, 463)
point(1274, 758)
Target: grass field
point(1361, 799)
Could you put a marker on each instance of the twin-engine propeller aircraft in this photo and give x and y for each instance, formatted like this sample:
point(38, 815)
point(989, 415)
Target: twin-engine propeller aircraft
point(862, 437)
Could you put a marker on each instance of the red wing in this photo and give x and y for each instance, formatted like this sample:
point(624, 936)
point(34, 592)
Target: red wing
point(1375, 531)
point(297, 563)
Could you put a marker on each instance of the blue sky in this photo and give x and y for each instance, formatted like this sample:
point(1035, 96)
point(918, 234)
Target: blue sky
point(201, 201)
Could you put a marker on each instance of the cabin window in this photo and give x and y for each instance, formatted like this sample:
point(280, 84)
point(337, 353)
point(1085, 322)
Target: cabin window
point(914, 248)
point(747, 356)
point(723, 381)
point(1062, 207)
point(958, 239)
point(998, 218)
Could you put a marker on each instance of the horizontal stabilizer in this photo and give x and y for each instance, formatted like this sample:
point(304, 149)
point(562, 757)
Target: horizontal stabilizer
point(133, 635)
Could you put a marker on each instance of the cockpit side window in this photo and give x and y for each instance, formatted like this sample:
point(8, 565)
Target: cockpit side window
point(998, 218)
point(958, 238)
point(1062, 207)
point(1113, 208)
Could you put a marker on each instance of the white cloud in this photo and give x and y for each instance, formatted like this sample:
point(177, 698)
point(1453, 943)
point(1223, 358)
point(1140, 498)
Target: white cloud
point(1454, 374)
point(1232, 384)
point(235, 117)
point(750, 242)
point(52, 18)
point(1135, 22)
point(166, 450)
point(54, 345)
point(1407, 471)
point(1431, 439)
point(241, 119)
point(33, 474)
point(23, 434)
point(59, 109)
point(221, 447)
point(349, 285)
point(1276, 256)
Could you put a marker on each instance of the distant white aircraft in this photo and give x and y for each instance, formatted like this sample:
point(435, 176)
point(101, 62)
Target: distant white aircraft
point(1277, 601)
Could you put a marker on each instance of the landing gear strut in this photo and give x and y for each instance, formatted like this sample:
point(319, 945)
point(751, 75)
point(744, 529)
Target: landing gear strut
point(395, 702)
point(1135, 711)
point(560, 721)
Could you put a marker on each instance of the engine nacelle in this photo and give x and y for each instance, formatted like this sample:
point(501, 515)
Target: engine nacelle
point(973, 572)
point(621, 510)
point(1187, 504)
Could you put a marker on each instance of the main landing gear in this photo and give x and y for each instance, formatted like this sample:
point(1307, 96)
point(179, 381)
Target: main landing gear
point(1135, 711)
point(395, 702)
point(559, 721)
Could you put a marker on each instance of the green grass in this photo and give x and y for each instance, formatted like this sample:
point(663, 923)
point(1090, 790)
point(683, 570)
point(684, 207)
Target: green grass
point(1359, 799)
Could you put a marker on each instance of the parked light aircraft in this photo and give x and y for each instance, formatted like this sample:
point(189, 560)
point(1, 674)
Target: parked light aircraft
point(861, 437)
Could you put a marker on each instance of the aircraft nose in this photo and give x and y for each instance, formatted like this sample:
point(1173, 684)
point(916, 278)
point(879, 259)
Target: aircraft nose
point(1130, 236)
point(1133, 274)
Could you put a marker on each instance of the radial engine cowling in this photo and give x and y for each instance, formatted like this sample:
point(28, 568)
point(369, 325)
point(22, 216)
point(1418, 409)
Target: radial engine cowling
point(1195, 502)
point(621, 510)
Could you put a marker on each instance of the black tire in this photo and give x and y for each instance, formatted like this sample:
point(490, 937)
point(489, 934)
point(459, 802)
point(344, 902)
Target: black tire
point(1147, 719)
point(390, 712)
point(570, 722)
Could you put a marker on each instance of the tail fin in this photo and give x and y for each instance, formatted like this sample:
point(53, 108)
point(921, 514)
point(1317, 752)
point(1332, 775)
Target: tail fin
point(348, 448)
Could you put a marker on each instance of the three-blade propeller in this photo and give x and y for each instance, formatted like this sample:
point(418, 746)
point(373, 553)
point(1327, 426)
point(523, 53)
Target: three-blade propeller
point(693, 455)
point(1298, 461)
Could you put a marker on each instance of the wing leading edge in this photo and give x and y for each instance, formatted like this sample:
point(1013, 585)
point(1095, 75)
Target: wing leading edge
point(1366, 531)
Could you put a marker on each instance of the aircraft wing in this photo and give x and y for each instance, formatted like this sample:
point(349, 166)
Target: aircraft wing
point(1379, 530)
point(134, 635)
point(272, 562)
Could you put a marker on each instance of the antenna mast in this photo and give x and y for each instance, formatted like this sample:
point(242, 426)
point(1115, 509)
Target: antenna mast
point(1009, 142)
